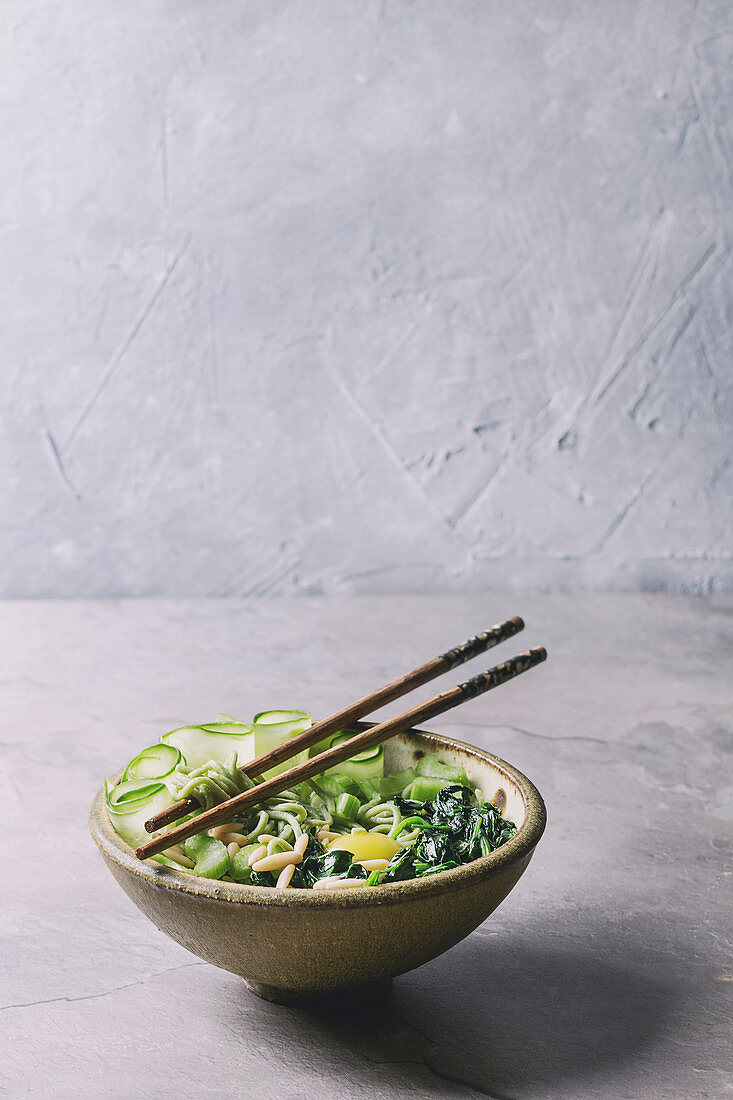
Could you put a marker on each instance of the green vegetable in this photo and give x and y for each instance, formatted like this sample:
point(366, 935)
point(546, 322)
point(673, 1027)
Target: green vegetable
point(318, 863)
point(193, 846)
point(155, 762)
point(213, 741)
point(238, 866)
point(365, 765)
point(210, 856)
point(336, 784)
point(272, 727)
point(424, 869)
point(391, 785)
point(432, 766)
point(424, 787)
point(452, 829)
point(131, 803)
point(411, 823)
point(348, 806)
point(123, 797)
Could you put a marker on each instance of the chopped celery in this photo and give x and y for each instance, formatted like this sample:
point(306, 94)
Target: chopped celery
point(367, 789)
point(347, 806)
point(304, 790)
point(211, 859)
point(425, 787)
point(391, 785)
point(193, 846)
point(336, 784)
point(430, 765)
point(238, 867)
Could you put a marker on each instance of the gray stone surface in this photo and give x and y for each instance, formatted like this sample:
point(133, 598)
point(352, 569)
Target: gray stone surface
point(372, 297)
point(606, 973)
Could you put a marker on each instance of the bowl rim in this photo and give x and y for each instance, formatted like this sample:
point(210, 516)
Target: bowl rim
point(115, 850)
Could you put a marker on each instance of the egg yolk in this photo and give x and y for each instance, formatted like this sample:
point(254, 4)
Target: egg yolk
point(366, 846)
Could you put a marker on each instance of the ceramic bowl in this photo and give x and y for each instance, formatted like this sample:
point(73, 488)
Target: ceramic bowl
point(291, 945)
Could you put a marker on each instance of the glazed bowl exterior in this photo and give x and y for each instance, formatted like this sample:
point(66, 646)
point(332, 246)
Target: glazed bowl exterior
point(292, 945)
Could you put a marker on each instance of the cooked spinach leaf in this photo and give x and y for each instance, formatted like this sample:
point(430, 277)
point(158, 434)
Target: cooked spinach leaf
point(318, 863)
point(452, 829)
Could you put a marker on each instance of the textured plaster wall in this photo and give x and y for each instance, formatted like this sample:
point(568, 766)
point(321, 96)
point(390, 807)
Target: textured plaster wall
point(364, 297)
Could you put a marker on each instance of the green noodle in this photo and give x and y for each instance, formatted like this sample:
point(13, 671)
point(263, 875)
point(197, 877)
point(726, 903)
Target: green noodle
point(209, 784)
point(287, 815)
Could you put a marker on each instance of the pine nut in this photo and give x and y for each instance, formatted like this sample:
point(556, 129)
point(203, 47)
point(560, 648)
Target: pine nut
point(276, 845)
point(374, 864)
point(283, 880)
point(234, 838)
point(276, 861)
point(301, 844)
point(256, 854)
point(232, 848)
point(219, 830)
point(265, 838)
point(335, 883)
point(177, 854)
point(327, 835)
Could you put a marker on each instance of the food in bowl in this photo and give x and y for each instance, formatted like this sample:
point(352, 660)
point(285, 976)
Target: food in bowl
point(259, 934)
point(350, 828)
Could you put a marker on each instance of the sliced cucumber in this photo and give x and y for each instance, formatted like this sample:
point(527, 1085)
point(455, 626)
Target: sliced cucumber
point(366, 754)
point(131, 803)
point(214, 741)
point(278, 717)
point(123, 797)
point(155, 762)
point(368, 764)
point(272, 727)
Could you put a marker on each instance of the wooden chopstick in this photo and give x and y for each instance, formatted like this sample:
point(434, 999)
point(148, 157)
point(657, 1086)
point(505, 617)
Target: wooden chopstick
point(379, 698)
point(325, 760)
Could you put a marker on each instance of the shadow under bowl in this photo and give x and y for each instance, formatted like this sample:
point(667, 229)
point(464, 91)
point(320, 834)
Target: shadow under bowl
point(295, 946)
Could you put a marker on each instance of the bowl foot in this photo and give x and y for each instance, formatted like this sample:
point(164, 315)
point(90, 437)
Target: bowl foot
point(310, 999)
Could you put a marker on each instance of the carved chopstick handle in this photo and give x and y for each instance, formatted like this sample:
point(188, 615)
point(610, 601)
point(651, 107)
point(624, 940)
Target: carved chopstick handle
point(515, 666)
point(495, 635)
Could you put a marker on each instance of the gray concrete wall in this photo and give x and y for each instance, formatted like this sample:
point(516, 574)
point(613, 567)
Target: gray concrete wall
point(364, 297)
